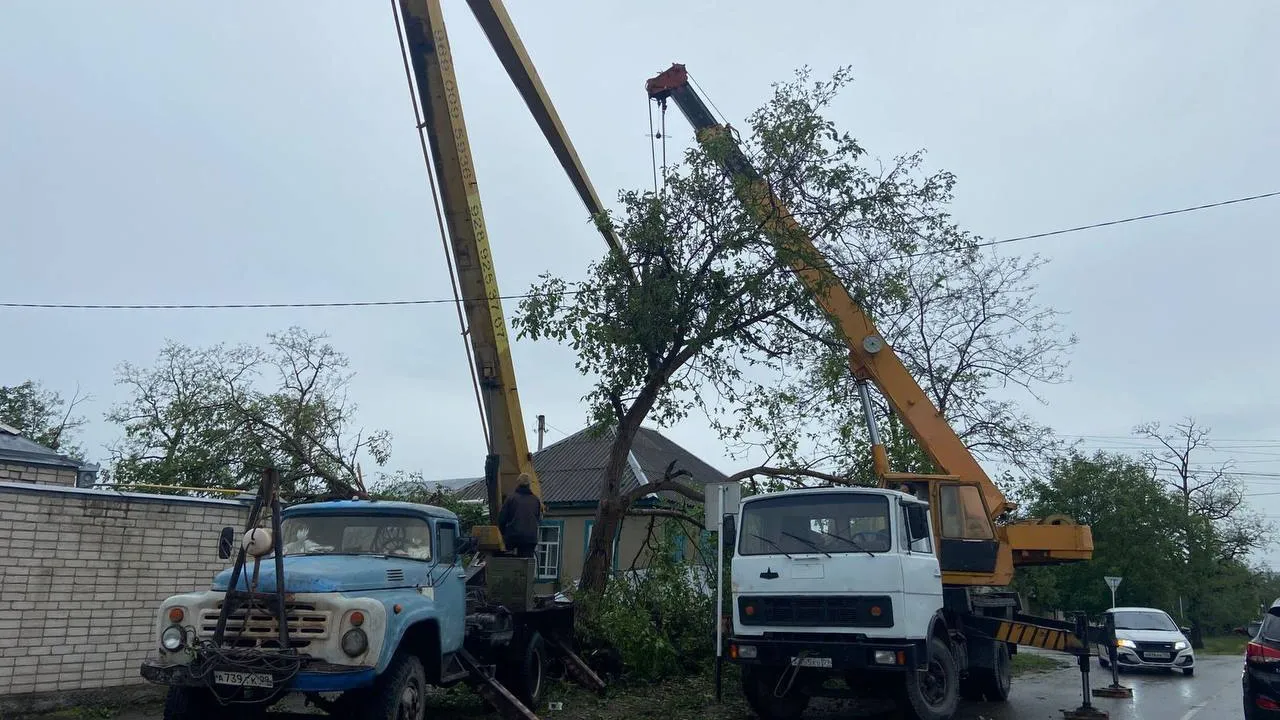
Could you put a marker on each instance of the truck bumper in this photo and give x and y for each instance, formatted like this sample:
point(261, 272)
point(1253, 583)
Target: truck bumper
point(852, 654)
point(312, 677)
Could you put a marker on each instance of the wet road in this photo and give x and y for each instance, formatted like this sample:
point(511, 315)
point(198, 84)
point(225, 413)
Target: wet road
point(1213, 693)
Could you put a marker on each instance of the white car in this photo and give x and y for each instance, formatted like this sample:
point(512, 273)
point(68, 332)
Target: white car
point(1149, 638)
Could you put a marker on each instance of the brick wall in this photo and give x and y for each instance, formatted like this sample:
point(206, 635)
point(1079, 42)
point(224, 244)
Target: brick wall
point(44, 474)
point(82, 573)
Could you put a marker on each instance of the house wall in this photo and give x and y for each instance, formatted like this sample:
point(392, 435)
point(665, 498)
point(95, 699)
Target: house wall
point(44, 474)
point(82, 573)
point(634, 532)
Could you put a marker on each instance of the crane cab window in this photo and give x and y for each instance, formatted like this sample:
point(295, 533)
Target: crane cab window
point(963, 514)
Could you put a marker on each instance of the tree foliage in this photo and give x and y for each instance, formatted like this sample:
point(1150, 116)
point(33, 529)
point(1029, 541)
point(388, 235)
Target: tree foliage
point(1130, 516)
point(1177, 530)
point(211, 417)
point(42, 416)
point(964, 321)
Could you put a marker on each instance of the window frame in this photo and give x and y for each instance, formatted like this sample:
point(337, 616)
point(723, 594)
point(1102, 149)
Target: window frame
point(438, 549)
point(537, 551)
point(881, 501)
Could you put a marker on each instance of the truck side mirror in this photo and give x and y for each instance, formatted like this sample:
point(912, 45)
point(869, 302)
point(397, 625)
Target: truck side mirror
point(226, 540)
point(730, 532)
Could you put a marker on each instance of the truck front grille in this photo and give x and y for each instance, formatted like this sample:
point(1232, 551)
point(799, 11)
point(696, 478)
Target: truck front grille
point(817, 610)
point(257, 627)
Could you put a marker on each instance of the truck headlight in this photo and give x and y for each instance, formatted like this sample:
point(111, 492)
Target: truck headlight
point(355, 642)
point(747, 652)
point(172, 638)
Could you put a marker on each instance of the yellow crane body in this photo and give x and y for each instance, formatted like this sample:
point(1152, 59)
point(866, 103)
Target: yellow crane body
point(976, 547)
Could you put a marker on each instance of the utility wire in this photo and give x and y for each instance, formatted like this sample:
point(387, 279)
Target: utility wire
point(442, 301)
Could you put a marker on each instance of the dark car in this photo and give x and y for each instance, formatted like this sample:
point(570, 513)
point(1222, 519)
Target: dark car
point(1262, 668)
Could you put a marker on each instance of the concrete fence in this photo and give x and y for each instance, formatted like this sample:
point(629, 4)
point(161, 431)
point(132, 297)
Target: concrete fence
point(82, 573)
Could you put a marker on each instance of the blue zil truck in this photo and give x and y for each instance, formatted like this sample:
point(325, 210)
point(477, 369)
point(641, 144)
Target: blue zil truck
point(376, 606)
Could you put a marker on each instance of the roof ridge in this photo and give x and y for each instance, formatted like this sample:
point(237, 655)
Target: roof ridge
point(10, 429)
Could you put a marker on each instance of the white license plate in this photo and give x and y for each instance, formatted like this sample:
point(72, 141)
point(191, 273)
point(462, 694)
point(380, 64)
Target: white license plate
point(1157, 655)
point(243, 679)
point(814, 662)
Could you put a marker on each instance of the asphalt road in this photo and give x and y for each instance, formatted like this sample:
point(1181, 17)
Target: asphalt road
point(1213, 693)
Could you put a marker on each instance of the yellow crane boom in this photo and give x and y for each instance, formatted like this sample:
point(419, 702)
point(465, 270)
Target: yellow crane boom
point(975, 547)
point(425, 42)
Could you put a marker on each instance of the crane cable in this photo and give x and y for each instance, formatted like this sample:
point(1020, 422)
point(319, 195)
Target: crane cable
point(653, 152)
point(444, 237)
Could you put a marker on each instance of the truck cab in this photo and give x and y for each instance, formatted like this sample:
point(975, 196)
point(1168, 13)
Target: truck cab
point(839, 583)
point(376, 608)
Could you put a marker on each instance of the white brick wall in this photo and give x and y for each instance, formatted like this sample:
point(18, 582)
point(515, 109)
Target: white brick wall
point(82, 573)
point(19, 472)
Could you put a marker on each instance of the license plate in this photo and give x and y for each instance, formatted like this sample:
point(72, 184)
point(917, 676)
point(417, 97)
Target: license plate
point(1157, 655)
point(243, 679)
point(813, 662)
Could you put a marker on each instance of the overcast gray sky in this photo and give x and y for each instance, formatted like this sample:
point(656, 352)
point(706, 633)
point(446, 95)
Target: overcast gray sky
point(158, 152)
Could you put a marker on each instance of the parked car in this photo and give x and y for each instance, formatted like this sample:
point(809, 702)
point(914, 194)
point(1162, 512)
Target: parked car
point(1149, 638)
point(1262, 668)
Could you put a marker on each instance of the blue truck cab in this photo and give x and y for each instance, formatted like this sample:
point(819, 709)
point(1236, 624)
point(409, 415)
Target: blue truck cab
point(376, 603)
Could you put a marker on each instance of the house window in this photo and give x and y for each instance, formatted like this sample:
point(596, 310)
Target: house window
point(550, 536)
point(677, 554)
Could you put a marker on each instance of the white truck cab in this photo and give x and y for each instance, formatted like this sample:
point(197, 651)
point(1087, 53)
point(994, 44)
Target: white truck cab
point(839, 582)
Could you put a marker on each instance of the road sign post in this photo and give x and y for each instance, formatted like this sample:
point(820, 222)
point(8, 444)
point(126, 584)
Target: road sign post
point(1113, 582)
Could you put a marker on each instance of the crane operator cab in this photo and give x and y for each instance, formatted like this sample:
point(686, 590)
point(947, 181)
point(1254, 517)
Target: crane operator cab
point(967, 541)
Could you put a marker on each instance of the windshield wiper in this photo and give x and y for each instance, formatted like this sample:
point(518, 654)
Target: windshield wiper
point(761, 537)
point(851, 541)
point(808, 542)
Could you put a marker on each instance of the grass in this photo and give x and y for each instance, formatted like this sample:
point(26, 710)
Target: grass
point(1025, 663)
point(1224, 645)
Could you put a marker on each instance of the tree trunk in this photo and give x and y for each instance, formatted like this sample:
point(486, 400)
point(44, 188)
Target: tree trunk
point(595, 569)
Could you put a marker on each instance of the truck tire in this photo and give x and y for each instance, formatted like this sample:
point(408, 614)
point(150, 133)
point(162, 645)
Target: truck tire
point(399, 693)
point(933, 692)
point(994, 683)
point(759, 685)
point(525, 673)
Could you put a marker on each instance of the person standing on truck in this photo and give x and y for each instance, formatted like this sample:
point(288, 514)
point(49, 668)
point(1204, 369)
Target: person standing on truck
point(519, 519)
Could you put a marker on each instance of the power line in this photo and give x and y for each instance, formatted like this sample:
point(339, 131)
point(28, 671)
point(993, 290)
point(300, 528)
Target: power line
point(1135, 218)
point(443, 301)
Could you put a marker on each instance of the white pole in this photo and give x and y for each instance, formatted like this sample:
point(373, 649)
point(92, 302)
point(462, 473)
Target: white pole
point(720, 572)
point(1113, 598)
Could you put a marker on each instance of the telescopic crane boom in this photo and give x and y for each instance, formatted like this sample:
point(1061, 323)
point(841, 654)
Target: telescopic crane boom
point(443, 127)
point(976, 548)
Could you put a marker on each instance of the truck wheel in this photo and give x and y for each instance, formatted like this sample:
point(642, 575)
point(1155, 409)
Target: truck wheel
point(399, 693)
point(933, 692)
point(995, 682)
point(760, 686)
point(525, 673)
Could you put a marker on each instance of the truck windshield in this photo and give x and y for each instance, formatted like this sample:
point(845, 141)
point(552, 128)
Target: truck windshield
point(831, 523)
point(357, 535)
point(1143, 620)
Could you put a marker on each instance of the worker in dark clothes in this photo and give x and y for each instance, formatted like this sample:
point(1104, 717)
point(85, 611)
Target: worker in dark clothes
point(519, 519)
